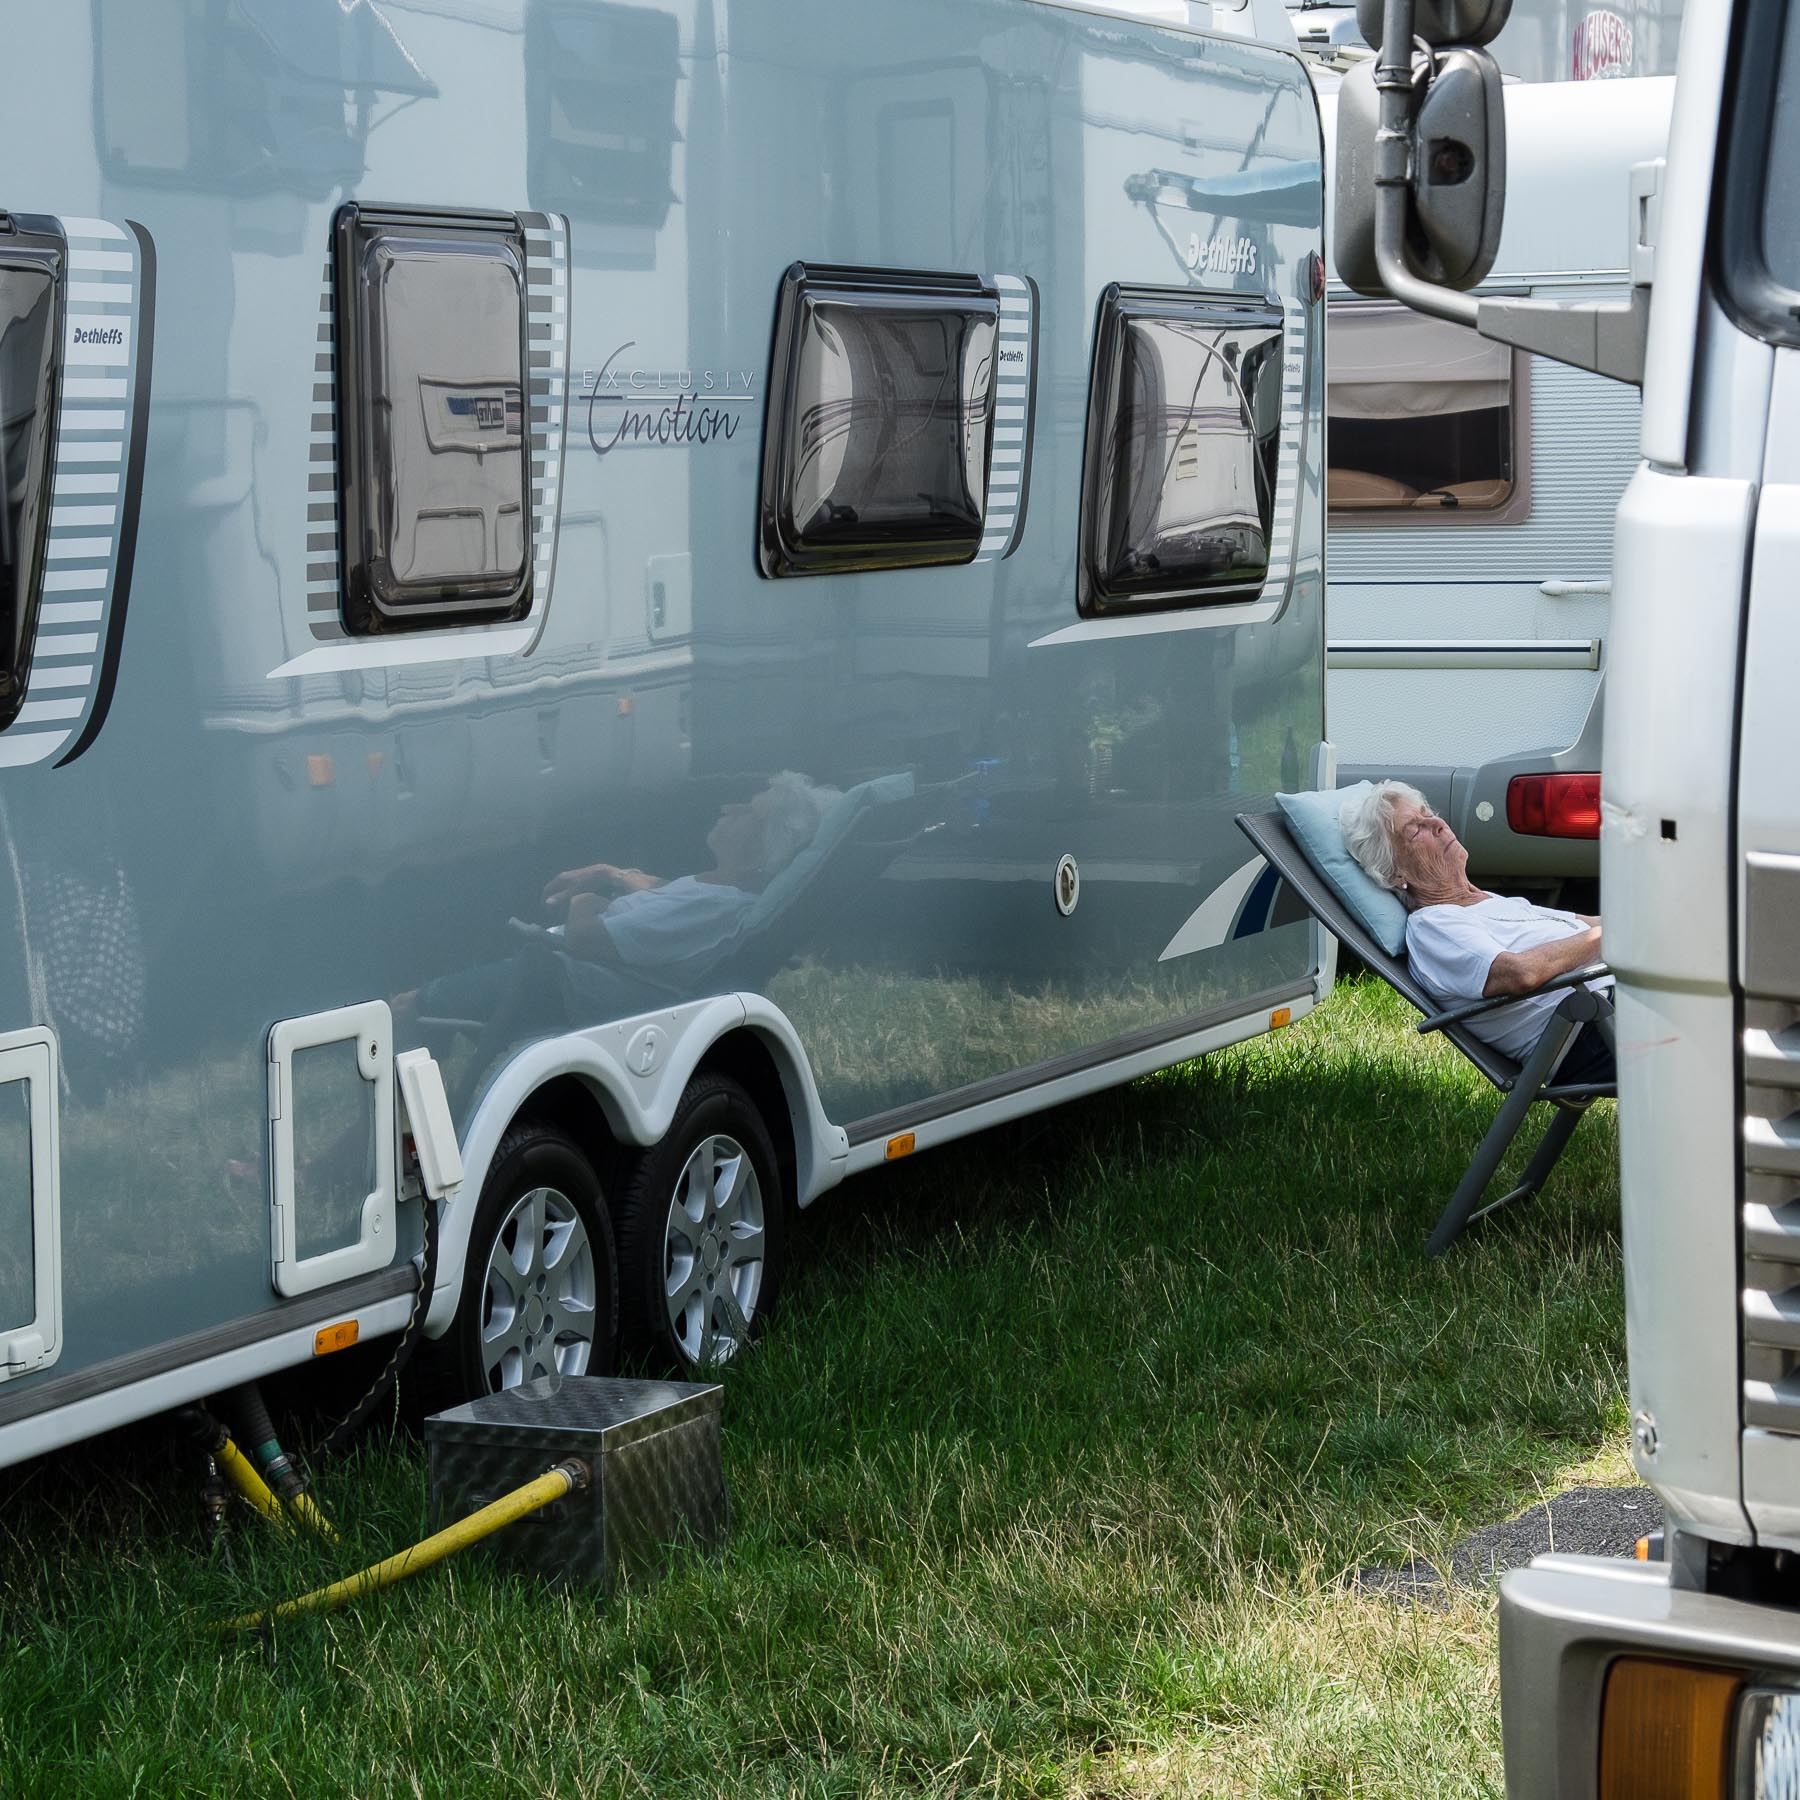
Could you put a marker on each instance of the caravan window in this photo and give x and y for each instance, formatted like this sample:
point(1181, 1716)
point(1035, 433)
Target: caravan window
point(1424, 419)
point(28, 340)
point(877, 444)
point(432, 445)
point(1184, 422)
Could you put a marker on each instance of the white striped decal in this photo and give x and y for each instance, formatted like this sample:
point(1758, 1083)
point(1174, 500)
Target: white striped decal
point(1009, 461)
point(1287, 466)
point(547, 379)
point(547, 387)
point(324, 550)
point(81, 549)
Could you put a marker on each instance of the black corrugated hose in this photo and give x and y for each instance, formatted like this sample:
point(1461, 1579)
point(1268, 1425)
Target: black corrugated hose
point(347, 1427)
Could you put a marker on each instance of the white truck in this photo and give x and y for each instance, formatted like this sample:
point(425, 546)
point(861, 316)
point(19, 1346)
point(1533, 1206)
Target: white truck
point(1677, 1679)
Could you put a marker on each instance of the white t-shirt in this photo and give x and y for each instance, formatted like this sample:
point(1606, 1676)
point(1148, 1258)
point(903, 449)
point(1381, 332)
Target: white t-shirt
point(682, 918)
point(1451, 949)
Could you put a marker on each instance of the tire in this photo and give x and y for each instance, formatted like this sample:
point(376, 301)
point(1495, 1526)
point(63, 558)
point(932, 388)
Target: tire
point(702, 1230)
point(540, 1293)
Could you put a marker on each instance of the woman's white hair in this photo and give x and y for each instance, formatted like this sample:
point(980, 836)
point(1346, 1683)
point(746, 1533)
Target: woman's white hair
point(1367, 824)
point(788, 813)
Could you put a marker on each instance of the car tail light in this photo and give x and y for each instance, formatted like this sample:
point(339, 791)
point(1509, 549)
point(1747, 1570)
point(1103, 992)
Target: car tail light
point(1565, 806)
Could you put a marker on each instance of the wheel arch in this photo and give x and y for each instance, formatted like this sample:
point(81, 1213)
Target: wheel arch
point(595, 1086)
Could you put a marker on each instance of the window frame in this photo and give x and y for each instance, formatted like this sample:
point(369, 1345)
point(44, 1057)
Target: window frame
point(1752, 297)
point(36, 253)
point(1119, 305)
point(1515, 509)
point(367, 609)
point(779, 556)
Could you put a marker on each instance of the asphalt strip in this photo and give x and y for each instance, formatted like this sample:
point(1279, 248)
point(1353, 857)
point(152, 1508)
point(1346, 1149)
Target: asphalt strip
point(1588, 1521)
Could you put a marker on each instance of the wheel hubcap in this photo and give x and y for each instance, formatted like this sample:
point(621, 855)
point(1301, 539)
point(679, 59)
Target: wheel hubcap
point(713, 1251)
point(537, 1314)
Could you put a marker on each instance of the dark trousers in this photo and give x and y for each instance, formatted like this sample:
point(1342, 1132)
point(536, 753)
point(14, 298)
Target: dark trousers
point(1588, 1060)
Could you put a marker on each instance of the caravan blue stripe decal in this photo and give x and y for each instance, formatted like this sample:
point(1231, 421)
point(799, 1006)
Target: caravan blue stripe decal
point(1259, 904)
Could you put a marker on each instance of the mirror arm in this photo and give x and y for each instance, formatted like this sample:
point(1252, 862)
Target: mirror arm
point(1609, 340)
point(1393, 170)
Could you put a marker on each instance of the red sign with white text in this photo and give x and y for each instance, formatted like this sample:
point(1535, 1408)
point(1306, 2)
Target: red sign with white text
point(1602, 47)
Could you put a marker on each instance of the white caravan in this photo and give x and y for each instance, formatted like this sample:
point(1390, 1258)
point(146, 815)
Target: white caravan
point(1471, 490)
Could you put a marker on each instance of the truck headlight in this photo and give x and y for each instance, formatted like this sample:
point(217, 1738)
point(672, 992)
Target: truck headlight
point(1768, 1745)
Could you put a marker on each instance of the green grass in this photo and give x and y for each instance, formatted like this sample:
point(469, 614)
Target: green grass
point(1045, 1485)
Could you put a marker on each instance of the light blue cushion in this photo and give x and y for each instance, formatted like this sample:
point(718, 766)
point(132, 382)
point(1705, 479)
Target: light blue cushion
point(1313, 819)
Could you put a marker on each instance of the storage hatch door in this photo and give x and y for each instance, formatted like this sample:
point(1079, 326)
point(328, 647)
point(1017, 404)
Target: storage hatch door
point(331, 1146)
point(30, 1205)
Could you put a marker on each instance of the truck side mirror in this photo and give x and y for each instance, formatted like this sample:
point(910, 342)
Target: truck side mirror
point(1421, 161)
point(1459, 162)
point(1439, 22)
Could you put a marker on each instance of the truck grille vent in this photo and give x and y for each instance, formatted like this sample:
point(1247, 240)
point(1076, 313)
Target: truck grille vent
point(1771, 1296)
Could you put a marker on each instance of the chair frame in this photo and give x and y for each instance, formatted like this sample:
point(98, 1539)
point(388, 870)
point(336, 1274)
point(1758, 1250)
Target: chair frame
point(1522, 1084)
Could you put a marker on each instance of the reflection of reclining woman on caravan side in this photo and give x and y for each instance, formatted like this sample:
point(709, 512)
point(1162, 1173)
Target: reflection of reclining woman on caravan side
point(1466, 944)
point(647, 921)
point(578, 972)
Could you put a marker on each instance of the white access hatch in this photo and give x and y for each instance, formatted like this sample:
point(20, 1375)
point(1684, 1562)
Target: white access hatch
point(30, 1204)
point(331, 1146)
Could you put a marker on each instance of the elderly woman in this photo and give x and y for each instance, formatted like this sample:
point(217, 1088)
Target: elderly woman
point(1464, 943)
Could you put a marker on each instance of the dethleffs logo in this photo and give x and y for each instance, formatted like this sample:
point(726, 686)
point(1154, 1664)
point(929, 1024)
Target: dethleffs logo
point(100, 334)
point(1221, 256)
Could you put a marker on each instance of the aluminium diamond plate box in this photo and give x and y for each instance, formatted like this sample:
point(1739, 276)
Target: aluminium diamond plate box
point(652, 1448)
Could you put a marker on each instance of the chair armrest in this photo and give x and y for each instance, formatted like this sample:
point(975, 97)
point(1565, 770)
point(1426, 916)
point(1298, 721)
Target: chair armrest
point(1471, 1009)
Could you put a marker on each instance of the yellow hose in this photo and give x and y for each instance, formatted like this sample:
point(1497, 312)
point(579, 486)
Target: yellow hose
point(530, 1498)
point(301, 1506)
point(236, 1467)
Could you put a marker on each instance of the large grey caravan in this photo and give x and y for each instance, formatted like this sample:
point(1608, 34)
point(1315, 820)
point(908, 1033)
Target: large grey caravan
point(609, 613)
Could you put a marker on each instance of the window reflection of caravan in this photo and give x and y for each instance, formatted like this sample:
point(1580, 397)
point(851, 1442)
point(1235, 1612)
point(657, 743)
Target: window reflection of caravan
point(1471, 494)
point(610, 703)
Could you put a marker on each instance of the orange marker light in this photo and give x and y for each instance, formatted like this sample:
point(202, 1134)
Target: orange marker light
point(334, 1337)
point(900, 1146)
point(319, 771)
point(1665, 1730)
point(1282, 1015)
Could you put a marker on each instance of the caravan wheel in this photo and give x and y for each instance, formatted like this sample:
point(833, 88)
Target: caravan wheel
point(540, 1288)
point(701, 1229)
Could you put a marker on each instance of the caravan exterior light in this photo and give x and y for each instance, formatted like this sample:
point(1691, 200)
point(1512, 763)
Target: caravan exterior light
point(1562, 806)
point(335, 1337)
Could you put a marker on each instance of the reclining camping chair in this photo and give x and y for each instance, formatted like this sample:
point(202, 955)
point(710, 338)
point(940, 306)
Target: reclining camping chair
point(1522, 1084)
point(862, 831)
